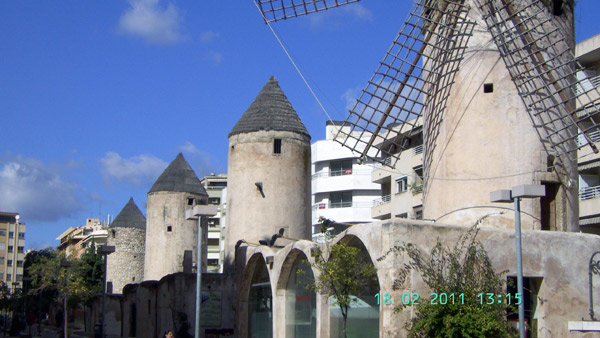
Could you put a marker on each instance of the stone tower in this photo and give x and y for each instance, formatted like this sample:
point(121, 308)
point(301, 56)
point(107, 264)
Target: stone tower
point(168, 234)
point(128, 234)
point(268, 172)
point(486, 141)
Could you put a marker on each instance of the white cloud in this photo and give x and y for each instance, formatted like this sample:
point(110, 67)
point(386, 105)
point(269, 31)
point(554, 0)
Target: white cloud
point(146, 18)
point(37, 191)
point(350, 96)
point(136, 169)
point(215, 57)
point(339, 16)
point(189, 148)
point(209, 36)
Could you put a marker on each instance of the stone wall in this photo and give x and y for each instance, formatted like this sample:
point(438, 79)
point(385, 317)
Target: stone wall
point(126, 264)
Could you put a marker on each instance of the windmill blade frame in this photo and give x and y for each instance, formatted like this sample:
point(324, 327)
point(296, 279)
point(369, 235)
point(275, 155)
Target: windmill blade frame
point(276, 10)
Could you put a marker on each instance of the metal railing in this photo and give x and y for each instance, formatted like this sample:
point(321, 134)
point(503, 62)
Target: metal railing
point(587, 84)
point(595, 136)
point(336, 205)
point(382, 200)
point(342, 172)
point(589, 193)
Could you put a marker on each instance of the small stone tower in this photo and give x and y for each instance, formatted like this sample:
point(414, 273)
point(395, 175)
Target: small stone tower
point(168, 234)
point(128, 234)
point(268, 173)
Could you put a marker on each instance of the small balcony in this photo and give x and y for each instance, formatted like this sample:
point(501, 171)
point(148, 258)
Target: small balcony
point(589, 193)
point(589, 201)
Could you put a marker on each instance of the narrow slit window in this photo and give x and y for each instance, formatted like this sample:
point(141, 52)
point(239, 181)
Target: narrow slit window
point(277, 146)
point(488, 87)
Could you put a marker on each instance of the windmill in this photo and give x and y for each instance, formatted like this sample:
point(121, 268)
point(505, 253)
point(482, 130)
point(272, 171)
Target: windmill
point(495, 85)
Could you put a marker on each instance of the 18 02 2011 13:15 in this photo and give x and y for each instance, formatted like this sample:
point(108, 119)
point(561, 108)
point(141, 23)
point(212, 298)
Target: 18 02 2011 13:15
point(443, 298)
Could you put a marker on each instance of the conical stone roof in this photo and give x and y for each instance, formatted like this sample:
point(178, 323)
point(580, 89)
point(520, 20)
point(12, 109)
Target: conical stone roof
point(179, 177)
point(271, 110)
point(129, 217)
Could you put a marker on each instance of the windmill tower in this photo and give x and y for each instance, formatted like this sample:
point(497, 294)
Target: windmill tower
point(268, 173)
point(494, 84)
point(128, 234)
point(169, 235)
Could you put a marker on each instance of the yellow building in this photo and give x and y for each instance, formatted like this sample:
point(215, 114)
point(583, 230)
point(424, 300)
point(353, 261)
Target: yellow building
point(12, 249)
point(75, 240)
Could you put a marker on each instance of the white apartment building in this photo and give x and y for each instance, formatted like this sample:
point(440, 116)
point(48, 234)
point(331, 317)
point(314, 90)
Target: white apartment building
point(215, 186)
point(588, 54)
point(341, 187)
point(401, 187)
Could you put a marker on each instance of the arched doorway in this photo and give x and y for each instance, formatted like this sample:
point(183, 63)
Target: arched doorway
point(300, 301)
point(260, 303)
point(363, 315)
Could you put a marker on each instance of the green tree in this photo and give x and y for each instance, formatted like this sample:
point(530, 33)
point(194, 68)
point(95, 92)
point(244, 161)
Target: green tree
point(345, 272)
point(465, 269)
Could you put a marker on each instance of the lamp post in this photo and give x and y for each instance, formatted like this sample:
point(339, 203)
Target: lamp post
point(104, 250)
point(198, 212)
point(515, 195)
point(65, 264)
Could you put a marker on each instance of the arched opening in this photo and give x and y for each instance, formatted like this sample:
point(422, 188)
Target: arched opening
point(363, 315)
point(260, 303)
point(300, 301)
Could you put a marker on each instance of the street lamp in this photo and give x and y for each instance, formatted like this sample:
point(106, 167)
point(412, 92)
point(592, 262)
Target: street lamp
point(104, 250)
point(198, 212)
point(65, 264)
point(515, 195)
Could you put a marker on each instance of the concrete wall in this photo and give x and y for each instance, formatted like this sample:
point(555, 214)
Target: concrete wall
point(486, 142)
point(285, 179)
point(164, 248)
point(126, 264)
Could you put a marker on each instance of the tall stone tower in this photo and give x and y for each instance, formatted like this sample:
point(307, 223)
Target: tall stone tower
point(268, 172)
point(486, 141)
point(168, 234)
point(128, 234)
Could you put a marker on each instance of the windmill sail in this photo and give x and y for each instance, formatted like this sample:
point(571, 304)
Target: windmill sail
point(414, 77)
point(275, 10)
point(545, 72)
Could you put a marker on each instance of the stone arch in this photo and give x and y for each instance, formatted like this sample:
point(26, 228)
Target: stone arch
point(296, 304)
point(363, 319)
point(256, 299)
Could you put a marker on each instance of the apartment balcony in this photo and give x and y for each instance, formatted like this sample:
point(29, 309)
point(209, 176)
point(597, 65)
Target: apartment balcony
point(585, 153)
point(348, 179)
point(382, 207)
point(585, 90)
point(355, 212)
point(589, 201)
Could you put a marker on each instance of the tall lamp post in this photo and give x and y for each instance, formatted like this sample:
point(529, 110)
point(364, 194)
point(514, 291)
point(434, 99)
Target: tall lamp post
point(65, 264)
point(515, 195)
point(198, 212)
point(104, 250)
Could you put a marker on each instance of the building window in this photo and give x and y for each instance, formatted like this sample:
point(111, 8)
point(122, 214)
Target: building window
point(213, 242)
point(20, 249)
point(1, 274)
point(1, 260)
point(401, 184)
point(10, 249)
point(19, 264)
point(8, 277)
point(9, 262)
point(339, 168)
point(213, 222)
point(341, 199)
point(11, 234)
point(2, 246)
point(169, 228)
point(418, 211)
point(21, 235)
point(277, 146)
point(2, 232)
point(402, 215)
point(214, 200)
point(190, 201)
point(488, 87)
point(19, 278)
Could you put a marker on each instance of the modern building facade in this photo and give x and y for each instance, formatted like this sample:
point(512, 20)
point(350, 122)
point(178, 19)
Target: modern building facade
point(342, 190)
point(402, 185)
point(12, 250)
point(588, 54)
point(75, 240)
point(215, 186)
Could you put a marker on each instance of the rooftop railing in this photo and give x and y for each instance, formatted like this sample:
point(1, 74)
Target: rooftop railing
point(589, 193)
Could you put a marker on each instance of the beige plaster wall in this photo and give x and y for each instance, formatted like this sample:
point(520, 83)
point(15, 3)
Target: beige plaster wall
point(286, 185)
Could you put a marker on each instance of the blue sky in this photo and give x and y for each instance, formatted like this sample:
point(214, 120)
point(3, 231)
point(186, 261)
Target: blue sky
point(97, 97)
